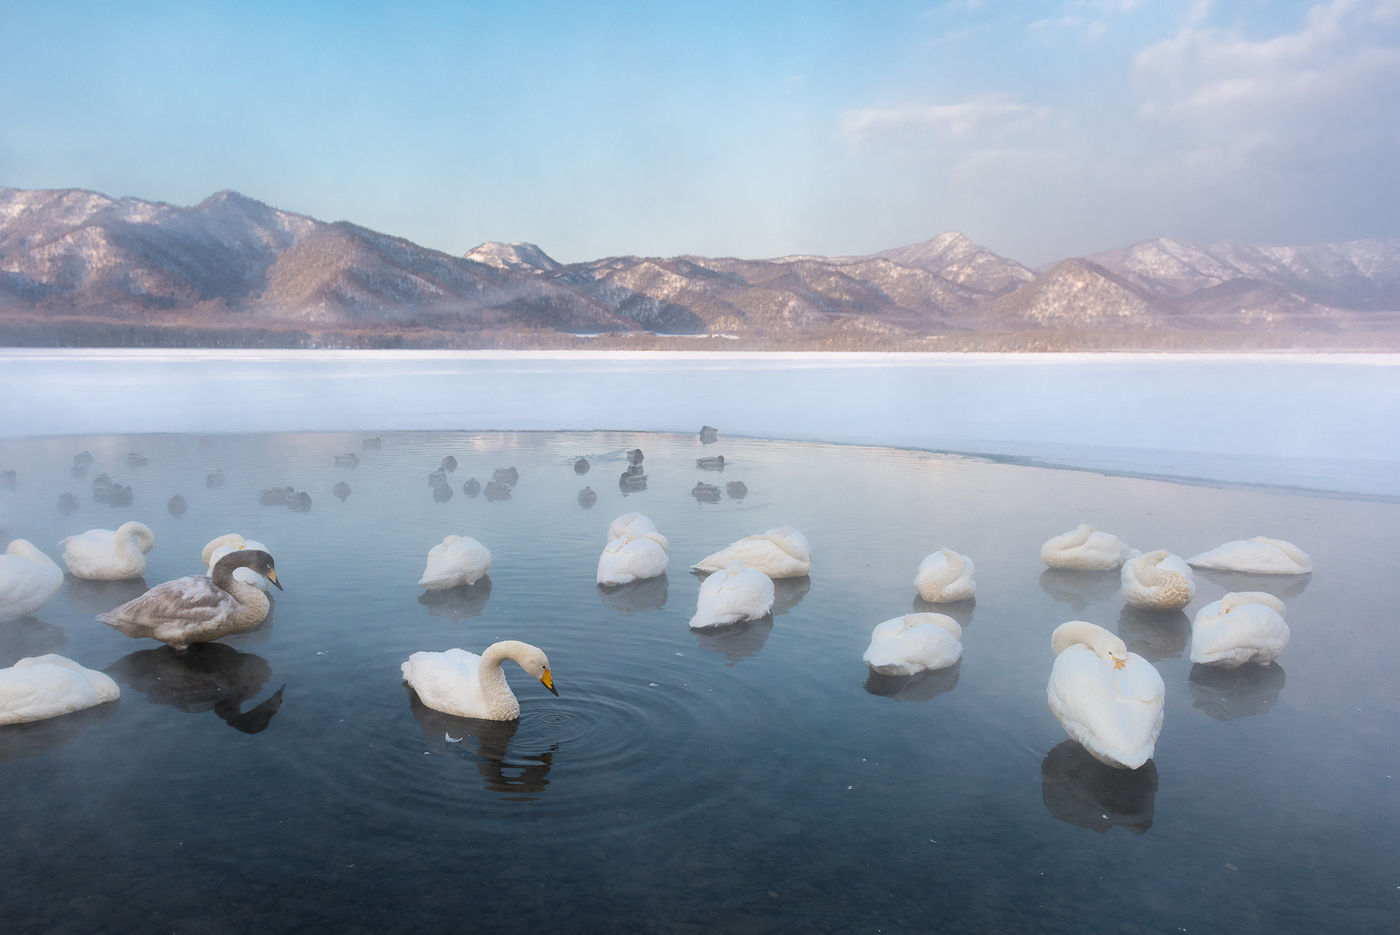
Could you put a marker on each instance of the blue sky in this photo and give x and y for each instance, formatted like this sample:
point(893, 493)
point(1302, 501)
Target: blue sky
point(1041, 130)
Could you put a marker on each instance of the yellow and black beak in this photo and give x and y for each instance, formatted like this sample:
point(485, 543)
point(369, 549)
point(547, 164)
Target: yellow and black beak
point(548, 681)
point(272, 576)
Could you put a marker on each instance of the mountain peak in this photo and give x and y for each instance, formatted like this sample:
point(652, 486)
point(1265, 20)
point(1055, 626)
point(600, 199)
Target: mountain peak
point(518, 255)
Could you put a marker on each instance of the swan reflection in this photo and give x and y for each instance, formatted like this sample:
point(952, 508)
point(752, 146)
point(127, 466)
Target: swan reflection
point(1155, 634)
point(1226, 694)
point(206, 677)
point(1079, 790)
point(34, 738)
point(961, 611)
point(636, 596)
point(29, 636)
point(922, 686)
point(459, 603)
point(1079, 589)
point(737, 640)
point(1280, 586)
point(520, 777)
point(788, 593)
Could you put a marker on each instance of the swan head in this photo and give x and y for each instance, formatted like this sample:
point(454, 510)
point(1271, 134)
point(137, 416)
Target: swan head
point(529, 657)
point(256, 559)
point(1242, 598)
point(1107, 646)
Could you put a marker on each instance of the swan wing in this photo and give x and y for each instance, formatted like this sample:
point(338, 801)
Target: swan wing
point(179, 611)
point(26, 585)
point(447, 681)
point(41, 687)
point(1115, 713)
point(732, 596)
point(1249, 632)
point(631, 559)
point(761, 553)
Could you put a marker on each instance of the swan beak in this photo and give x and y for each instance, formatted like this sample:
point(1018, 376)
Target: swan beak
point(548, 681)
point(1119, 663)
point(272, 576)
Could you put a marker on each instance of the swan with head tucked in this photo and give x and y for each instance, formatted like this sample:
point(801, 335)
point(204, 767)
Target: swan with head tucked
point(467, 685)
point(631, 558)
point(914, 643)
point(1085, 548)
point(1259, 555)
point(28, 578)
point(216, 549)
point(945, 576)
point(1108, 699)
point(732, 595)
point(778, 553)
point(453, 562)
point(40, 687)
point(637, 526)
point(1158, 580)
point(196, 608)
point(1243, 626)
point(109, 555)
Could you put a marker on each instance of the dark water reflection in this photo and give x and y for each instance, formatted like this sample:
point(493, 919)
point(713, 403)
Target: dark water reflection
point(754, 778)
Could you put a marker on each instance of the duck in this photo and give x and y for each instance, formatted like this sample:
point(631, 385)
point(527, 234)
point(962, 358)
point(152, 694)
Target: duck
point(1158, 580)
point(1259, 555)
point(778, 553)
point(945, 576)
point(631, 558)
point(733, 595)
point(1106, 698)
point(28, 578)
point(453, 562)
point(914, 643)
point(1241, 627)
point(220, 546)
point(199, 608)
point(1085, 548)
point(37, 688)
point(710, 463)
point(467, 685)
point(637, 525)
point(109, 555)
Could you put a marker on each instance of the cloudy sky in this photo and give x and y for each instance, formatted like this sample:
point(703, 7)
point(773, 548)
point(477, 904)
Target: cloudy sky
point(1040, 130)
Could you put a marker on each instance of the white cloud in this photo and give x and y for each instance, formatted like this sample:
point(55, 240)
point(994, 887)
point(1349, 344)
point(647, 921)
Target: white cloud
point(966, 121)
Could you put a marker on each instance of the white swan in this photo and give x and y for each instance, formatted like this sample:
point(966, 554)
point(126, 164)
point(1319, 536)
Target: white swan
point(41, 687)
point(455, 561)
point(467, 685)
point(1259, 555)
point(945, 576)
point(1108, 699)
point(735, 594)
point(28, 578)
point(778, 553)
point(637, 526)
point(1085, 548)
point(913, 643)
point(1243, 626)
point(631, 558)
point(216, 549)
point(199, 609)
point(107, 555)
point(1158, 580)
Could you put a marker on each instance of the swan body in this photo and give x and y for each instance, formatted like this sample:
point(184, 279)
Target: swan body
point(1259, 555)
point(778, 553)
point(1158, 580)
point(1106, 698)
point(109, 555)
point(732, 595)
point(28, 578)
point(216, 549)
point(945, 576)
point(638, 526)
point(631, 558)
point(914, 643)
point(196, 608)
point(467, 685)
point(41, 687)
point(1241, 627)
point(455, 561)
point(1085, 548)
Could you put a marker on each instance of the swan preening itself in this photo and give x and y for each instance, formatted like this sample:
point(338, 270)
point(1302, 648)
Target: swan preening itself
point(467, 685)
point(732, 595)
point(216, 549)
point(453, 562)
point(1259, 555)
point(1241, 627)
point(1158, 580)
point(28, 578)
point(1108, 699)
point(198, 609)
point(41, 687)
point(1085, 548)
point(635, 551)
point(914, 643)
point(109, 555)
point(777, 553)
point(945, 576)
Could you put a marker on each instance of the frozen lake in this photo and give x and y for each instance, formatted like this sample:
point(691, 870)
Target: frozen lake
point(1323, 422)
